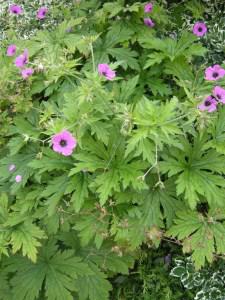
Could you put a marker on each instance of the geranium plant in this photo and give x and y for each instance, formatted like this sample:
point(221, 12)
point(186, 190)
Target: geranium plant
point(112, 136)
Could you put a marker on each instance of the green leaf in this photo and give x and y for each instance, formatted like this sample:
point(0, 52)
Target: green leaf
point(54, 269)
point(159, 205)
point(117, 34)
point(172, 48)
point(112, 8)
point(107, 183)
point(15, 144)
point(54, 192)
point(93, 287)
point(5, 290)
point(94, 227)
point(158, 87)
point(154, 58)
point(81, 191)
point(106, 259)
point(181, 69)
point(202, 236)
point(24, 127)
point(26, 237)
point(127, 89)
point(156, 125)
point(198, 172)
point(217, 129)
point(50, 161)
point(127, 56)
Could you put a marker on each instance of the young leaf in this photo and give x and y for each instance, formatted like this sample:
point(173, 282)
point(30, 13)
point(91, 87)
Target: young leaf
point(26, 237)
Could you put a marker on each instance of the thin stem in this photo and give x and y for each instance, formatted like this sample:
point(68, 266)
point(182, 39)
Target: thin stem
point(153, 166)
point(116, 146)
point(92, 56)
point(178, 118)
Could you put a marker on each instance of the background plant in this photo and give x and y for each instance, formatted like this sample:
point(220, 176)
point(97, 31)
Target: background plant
point(207, 283)
point(150, 278)
point(185, 14)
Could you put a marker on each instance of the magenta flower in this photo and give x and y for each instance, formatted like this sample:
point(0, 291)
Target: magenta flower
point(18, 178)
point(26, 73)
point(22, 59)
point(15, 9)
point(104, 69)
point(11, 50)
point(208, 104)
point(199, 28)
point(41, 13)
point(149, 22)
point(12, 167)
point(219, 94)
point(64, 143)
point(214, 73)
point(148, 7)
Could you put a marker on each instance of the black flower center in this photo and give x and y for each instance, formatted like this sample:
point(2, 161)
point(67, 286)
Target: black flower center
point(200, 29)
point(63, 143)
point(218, 96)
point(14, 10)
point(207, 103)
point(215, 74)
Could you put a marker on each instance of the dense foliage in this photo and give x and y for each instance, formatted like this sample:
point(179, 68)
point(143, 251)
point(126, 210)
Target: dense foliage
point(150, 280)
point(112, 140)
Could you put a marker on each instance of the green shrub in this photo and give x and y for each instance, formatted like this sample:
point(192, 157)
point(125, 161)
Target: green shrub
point(139, 162)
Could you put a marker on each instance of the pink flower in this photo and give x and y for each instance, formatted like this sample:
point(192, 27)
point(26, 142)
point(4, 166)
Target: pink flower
point(12, 167)
point(219, 94)
point(149, 22)
point(148, 7)
point(15, 9)
point(199, 28)
point(41, 13)
point(214, 73)
point(22, 59)
point(11, 50)
point(64, 143)
point(27, 73)
point(209, 104)
point(18, 178)
point(104, 69)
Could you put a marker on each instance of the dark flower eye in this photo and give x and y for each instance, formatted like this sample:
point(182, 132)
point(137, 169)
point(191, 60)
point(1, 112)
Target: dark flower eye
point(215, 74)
point(200, 29)
point(207, 103)
point(63, 143)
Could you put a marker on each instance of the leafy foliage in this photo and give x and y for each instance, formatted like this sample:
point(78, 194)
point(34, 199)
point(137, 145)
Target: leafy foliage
point(202, 235)
point(145, 166)
point(197, 170)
